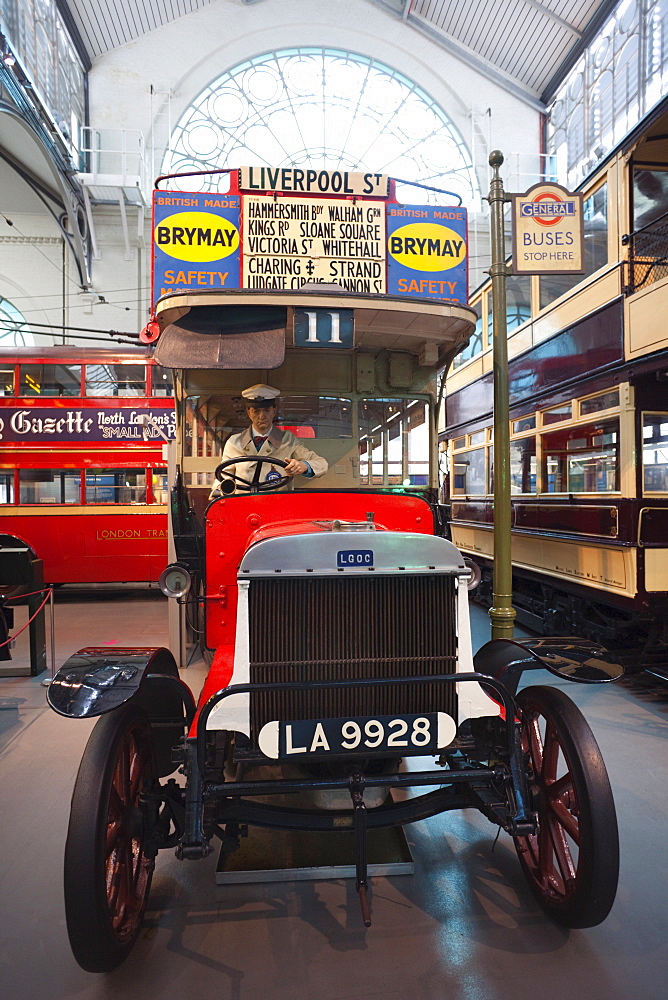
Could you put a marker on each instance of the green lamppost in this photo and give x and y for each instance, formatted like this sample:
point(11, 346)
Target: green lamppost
point(502, 613)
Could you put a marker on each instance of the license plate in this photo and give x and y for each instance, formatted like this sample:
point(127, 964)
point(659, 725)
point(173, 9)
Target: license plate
point(391, 734)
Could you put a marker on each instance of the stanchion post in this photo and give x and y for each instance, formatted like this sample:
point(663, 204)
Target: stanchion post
point(52, 622)
point(502, 613)
point(52, 634)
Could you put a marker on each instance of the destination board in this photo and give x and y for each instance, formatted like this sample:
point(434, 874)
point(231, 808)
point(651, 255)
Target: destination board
point(287, 242)
point(309, 181)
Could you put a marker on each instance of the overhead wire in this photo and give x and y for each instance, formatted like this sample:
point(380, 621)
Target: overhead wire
point(35, 246)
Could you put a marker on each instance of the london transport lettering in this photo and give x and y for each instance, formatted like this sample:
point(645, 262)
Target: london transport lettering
point(277, 239)
point(114, 534)
point(547, 231)
point(41, 424)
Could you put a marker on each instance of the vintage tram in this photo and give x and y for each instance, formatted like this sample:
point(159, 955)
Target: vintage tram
point(588, 369)
point(336, 612)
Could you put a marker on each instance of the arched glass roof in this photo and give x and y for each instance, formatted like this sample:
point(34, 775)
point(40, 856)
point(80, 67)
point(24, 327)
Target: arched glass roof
point(325, 108)
point(14, 330)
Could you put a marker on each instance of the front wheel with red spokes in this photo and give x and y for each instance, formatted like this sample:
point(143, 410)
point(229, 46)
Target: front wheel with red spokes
point(108, 868)
point(572, 862)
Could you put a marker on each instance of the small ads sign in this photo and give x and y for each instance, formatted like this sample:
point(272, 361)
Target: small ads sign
point(547, 231)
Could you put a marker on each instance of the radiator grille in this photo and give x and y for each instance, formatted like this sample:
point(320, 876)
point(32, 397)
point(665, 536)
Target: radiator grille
point(332, 628)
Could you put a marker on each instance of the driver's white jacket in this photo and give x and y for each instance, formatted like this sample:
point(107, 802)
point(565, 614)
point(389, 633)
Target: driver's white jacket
point(279, 444)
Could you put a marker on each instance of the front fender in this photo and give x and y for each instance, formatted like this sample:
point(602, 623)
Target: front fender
point(97, 680)
point(574, 659)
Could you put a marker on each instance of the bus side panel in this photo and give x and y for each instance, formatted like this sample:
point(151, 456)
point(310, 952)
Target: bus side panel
point(90, 547)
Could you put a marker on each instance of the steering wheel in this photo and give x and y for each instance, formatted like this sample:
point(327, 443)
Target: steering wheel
point(254, 485)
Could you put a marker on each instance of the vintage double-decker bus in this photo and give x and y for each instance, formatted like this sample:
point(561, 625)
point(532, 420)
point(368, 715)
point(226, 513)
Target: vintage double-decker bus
point(336, 610)
point(83, 473)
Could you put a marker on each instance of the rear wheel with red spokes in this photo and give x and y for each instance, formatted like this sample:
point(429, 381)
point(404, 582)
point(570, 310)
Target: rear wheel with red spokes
point(108, 869)
point(572, 863)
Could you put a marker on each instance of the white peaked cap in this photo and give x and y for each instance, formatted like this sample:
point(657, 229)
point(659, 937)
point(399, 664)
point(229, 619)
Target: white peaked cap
point(261, 394)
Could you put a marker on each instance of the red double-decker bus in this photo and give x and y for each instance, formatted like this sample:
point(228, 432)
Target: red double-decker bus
point(83, 472)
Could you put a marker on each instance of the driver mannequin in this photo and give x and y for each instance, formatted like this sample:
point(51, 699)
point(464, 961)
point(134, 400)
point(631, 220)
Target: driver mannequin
point(262, 438)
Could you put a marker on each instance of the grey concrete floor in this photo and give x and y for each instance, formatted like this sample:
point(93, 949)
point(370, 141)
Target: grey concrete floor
point(463, 926)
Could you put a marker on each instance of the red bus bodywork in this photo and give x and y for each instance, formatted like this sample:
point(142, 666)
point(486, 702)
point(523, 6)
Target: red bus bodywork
point(102, 533)
point(242, 523)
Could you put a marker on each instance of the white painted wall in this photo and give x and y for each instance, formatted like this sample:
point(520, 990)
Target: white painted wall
point(182, 58)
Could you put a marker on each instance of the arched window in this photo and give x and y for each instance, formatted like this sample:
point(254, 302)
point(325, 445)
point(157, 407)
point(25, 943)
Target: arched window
point(14, 330)
point(323, 108)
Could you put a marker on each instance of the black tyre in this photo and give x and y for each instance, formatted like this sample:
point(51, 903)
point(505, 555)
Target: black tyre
point(572, 863)
point(107, 872)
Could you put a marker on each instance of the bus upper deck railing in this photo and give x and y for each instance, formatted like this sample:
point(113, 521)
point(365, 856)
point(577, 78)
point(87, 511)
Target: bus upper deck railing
point(648, 255)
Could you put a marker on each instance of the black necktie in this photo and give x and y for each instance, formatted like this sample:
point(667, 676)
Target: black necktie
point(258, 442)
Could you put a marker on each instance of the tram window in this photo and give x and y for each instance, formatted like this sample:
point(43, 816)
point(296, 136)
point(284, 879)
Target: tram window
point(655, 452)
point(469, 473)
point(518, 300)
point(477, 438)
point(650, 195)
point(115, 380)
point(582, 459)
point(50, 380)
point(7, 486)
point(163, 381)
point(475, 344)
point(7, 381)
point(524, 424)
point(595, 226)
point(557, 413)
point(459, 443)
point(604, 401)
point(393, 442)
point(523, 465)
point(115, 486)
point(49, 486)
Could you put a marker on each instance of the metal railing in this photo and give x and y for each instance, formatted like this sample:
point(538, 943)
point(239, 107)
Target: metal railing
point(114, 156)
point(648, 255)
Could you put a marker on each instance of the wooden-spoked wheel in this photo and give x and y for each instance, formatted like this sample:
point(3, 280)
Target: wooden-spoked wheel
point(572, 863)
point(107, 868)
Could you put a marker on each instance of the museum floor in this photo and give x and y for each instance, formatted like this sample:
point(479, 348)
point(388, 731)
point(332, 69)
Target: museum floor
point(463, 926)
